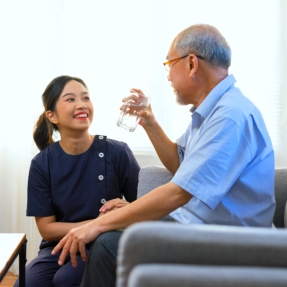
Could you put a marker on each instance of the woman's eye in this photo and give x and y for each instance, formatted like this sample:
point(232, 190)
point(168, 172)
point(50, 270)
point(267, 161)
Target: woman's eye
point(70, 99)
point(86, 98)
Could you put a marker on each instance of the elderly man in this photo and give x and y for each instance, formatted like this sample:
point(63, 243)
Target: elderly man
point(223, 164)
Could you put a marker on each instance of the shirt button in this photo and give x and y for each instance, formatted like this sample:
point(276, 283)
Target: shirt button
point(195, 128)
point(100, 177)
point(101, 137)
point(101, 154)
point(103, 201)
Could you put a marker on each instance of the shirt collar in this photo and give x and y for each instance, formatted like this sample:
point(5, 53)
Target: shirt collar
point(213, 97)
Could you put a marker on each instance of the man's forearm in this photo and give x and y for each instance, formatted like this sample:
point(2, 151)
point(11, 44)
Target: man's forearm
point(154, 205)
point(164, 147)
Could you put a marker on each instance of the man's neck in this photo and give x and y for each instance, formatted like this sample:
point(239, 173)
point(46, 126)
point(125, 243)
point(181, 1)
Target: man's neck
point(208, 81)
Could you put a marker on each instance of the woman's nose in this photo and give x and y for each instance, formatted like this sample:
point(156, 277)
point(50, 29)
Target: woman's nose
point(82, 105)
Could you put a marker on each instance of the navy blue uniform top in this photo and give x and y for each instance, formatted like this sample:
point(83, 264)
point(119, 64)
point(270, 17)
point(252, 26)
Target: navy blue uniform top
point(74, 187)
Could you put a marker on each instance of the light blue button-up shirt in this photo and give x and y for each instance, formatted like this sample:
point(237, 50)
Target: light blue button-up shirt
point(227, 162)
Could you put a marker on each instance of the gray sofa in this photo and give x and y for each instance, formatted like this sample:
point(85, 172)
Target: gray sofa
point(160, 254)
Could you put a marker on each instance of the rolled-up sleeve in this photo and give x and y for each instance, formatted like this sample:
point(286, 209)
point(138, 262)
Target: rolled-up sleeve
point(213, 161)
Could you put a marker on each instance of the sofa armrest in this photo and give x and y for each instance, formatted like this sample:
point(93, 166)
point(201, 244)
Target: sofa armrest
point(170, 275)
point(172, 243)
point(150, 177)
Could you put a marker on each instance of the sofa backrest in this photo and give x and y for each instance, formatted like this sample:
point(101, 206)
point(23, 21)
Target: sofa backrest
point(151, 177)
point(280, 196)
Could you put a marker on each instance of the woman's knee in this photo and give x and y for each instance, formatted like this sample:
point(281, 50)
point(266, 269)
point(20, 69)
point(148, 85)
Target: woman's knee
point(68, 275)
point(40, 271)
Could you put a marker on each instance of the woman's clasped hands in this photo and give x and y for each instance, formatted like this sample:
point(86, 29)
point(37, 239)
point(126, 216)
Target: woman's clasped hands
point(77, 238)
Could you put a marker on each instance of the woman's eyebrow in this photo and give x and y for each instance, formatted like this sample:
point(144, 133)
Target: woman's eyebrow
point(72, 94)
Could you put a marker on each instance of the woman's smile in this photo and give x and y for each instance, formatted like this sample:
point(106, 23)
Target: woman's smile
point(81, 116)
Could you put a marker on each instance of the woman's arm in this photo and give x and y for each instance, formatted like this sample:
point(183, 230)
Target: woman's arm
point(51, 230)
point(127, 170)
point(154, 205)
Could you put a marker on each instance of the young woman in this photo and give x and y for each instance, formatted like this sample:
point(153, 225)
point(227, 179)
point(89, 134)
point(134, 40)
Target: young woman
point(71, 179)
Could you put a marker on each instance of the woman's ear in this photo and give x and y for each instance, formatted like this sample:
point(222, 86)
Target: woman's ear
point(52, 117)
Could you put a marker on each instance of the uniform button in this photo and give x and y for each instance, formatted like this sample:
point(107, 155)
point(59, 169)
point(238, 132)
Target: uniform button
point(101, 137)
point(100, 177)
point(195, 128)
point(103, 201)
point(101, 154)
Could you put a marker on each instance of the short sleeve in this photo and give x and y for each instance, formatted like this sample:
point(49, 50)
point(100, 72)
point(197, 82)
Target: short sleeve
point(39, 192)
point(129, 171)
point(181, 143)
point(213, 161)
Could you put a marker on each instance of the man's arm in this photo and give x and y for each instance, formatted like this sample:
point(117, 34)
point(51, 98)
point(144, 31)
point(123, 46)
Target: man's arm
point(164, 147)
point(154, 205)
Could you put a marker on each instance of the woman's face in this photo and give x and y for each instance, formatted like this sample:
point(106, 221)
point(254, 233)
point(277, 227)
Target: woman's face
point(74, 111)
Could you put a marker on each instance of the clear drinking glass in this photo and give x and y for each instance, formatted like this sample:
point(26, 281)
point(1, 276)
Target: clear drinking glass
point(133, 104)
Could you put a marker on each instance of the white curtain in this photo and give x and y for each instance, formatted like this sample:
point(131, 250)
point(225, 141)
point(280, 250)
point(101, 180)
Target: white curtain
point(114, 45)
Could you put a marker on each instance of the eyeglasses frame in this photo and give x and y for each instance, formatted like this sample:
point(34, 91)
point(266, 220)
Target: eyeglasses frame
point(167, 63)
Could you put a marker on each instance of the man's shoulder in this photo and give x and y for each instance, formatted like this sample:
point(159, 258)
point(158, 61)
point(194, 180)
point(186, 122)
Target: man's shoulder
point(234, 105)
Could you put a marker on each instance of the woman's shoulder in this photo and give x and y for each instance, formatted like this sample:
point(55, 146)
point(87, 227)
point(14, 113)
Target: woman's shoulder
point(115, 147)
point(118, 147)
point(110, 142)
point(116, 143)
point(42, 156)
point(120, 152)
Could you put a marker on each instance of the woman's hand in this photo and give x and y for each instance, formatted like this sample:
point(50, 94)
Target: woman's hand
point(112, 205)
point(75, 240)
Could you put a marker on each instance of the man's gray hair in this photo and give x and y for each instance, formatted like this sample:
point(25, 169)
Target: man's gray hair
point(206, 41)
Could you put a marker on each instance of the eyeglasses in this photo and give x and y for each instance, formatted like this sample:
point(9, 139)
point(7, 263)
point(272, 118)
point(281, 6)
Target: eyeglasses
point(167, 63)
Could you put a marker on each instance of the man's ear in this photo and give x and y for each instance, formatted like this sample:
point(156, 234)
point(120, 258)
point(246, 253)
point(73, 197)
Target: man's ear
point(193, 64)
point(52, 117)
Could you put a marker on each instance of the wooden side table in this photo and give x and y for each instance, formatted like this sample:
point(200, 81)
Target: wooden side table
point(12, 245)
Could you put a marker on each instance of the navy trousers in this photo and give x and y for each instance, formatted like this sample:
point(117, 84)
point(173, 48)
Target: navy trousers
point(101, 265)
point(44, 271)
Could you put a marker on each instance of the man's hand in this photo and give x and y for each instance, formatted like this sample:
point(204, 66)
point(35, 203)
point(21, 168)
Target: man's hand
point(75, 240)
point(164, 147)
point(147, 116)
point(112, 205)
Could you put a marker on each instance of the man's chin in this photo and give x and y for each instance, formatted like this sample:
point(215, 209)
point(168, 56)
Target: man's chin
point(179, 100)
